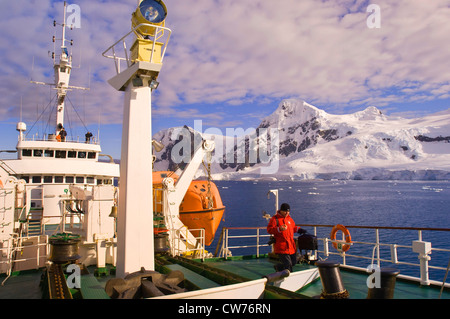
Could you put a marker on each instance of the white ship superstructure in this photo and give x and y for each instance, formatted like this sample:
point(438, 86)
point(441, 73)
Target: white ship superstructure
point(56, 184)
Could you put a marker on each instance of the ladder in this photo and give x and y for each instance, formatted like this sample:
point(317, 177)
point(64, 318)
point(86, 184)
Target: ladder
point(34, 221)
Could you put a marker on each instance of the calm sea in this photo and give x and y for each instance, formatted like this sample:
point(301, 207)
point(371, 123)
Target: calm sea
point(360, 203)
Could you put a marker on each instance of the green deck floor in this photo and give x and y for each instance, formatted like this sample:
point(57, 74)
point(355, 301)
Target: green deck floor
point(255, 268)
point(26, 284)
point(23, 285)
point(354, 282)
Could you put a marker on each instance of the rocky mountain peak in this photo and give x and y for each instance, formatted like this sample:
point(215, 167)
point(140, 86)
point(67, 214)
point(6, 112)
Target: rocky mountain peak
point(291, 111)
point(370, 114)
point(316, 144)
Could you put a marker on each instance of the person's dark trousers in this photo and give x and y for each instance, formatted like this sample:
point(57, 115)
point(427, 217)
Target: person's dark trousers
point(286, 262)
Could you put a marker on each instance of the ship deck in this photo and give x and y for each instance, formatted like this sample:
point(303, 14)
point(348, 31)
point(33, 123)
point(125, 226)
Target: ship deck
point(354, 282)
point(26, 285)
point(22, 285)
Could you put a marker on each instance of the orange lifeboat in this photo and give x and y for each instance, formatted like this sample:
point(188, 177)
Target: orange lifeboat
point(201, 208)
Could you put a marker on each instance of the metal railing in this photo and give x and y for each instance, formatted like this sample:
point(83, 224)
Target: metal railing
point(225, 250)
point(373, 249)
point(13, 246)
point(181, 239)
point(125, 57)
point(69, 139)
point(181, 245)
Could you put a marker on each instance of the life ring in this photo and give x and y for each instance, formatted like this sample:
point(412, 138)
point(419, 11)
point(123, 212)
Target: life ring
point(348, 238)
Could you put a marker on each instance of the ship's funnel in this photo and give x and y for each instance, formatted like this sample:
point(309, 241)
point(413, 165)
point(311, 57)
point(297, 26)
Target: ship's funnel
point(149, 12)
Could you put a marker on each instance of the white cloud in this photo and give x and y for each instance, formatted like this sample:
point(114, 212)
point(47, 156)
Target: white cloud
point(322, 51)
point(237, 52)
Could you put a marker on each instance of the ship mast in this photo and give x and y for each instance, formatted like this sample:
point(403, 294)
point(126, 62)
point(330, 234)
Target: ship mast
point(135, 246)
point(62, 67)
point(62, 70)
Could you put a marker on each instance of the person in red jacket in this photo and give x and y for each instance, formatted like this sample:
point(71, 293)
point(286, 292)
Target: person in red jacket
point(283, 227)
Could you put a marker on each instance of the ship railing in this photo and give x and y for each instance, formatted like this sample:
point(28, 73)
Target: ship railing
point(52, 138)
point(181, 246)
point(161, 37)
point(376, 252)
point(69, 223)
point(35, 254)
point(181, 239)
point(258, 235)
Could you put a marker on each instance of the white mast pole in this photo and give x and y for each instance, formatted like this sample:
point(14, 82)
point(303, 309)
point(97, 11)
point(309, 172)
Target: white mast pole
point(135, 242)
point(135, 248)
point(64, 25)
point(62, 76)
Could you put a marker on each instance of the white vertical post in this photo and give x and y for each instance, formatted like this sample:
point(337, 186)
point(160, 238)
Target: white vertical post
point(257, 242)
point(326, 250)
point(423, 249)
point(226, 243)
point(377, 235)
point(135, 248)
point(424, 272)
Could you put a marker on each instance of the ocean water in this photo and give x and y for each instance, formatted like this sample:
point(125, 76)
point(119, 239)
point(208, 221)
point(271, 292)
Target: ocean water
point(356, 203)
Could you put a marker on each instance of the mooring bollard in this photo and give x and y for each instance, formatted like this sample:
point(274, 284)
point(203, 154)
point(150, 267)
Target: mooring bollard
point(330, 275)
point(386, 287)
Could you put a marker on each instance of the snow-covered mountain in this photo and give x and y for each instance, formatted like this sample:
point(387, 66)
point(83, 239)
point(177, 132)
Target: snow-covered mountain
point(300, 141)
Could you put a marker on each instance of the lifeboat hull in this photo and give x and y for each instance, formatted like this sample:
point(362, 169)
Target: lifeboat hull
point(201, 208)
point(208, 220)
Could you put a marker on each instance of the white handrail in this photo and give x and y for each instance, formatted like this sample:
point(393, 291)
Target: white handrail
point(11, 249)
point(179, 238)
point(326, 252)
point(117, 59)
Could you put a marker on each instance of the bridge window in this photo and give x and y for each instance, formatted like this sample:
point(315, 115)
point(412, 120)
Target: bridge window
point(71, 154)
point(37, 153)
point(81, 154)
point(60, 154)
point(48, 179)
point(80, 179)
point(69, 179)
point(36, 179)
point(92, 155)
point(48, 153)
point(90, 180)
point(59, 179)
point(26, 152)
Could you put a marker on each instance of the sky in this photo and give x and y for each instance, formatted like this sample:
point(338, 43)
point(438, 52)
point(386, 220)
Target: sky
point(230, 63)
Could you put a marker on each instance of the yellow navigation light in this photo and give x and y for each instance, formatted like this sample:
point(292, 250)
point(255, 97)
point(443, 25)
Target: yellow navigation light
point(149, 12)
point(146, 50)
point(152, 13)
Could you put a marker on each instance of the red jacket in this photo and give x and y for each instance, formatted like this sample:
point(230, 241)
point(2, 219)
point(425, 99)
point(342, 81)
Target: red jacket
point(285, 243)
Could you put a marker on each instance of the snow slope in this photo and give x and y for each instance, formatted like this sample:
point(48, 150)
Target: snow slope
point(315, 144)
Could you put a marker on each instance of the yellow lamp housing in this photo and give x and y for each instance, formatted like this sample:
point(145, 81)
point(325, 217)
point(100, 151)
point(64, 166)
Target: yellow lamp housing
point(146, 50)
point(149, 12)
